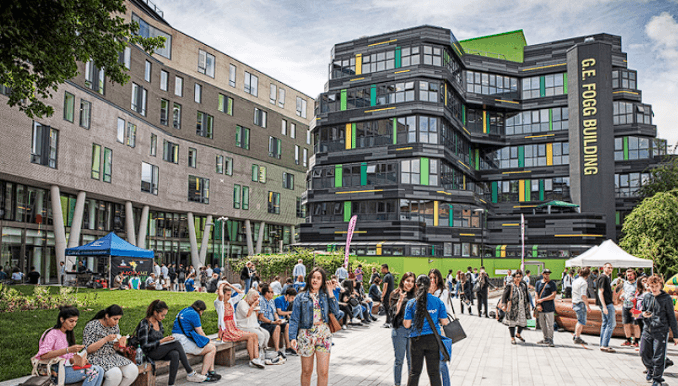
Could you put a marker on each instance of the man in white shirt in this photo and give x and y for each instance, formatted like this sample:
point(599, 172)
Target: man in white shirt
point(247, 318)
point(508, 278)
point(568, 279)
point(342, 273)
point(580, 303)
point(156, 269)
point(276, 286)
point(165, 272)
point(299, 269)
point(209, 270)
point(150, 282)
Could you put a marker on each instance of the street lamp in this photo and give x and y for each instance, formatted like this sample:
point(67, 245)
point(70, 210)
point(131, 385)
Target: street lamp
point(222, 220)
point(482, 240)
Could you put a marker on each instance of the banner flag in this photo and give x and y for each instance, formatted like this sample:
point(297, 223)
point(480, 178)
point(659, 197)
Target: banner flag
point(349, 235)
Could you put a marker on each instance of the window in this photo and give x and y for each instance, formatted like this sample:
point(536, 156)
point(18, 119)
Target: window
point(433, 55)
point(85, 113)
point(242, 137)
point(273, 94)
point(164, 79)
point(192, 157)
point(94, 77)
point(96, 161)
point(377, 62)
point(259, 173)
point(624, 79)
point(246, 197)
point(308, 137)
point(149, 178)
point(281, 97)
point(204, 125)
point(491, 84)
point(305, 157)
point(178, 86)
point(205, 63)
point(288, 180)
point(198, 189)
point(537, 121)
point(622, 113)
point(170, 152)
point(260, 117)
point(293, 130)
point(301, 107)
point(131, 134)
point(146, 30)
point(283, 127)
point(154, 145)
point(121, 130)
point(139, 95)
point(228, 166)
point(409, 172)
point(410, 56)
point(231, 75)
point(543, 86)
point(274, 202)
point(644, 114)
point(108, 164)
point(251, 84)
point(301, 209)
point(274, 147)
point(296, 154)
point(44, 145)
point(236, 196)
point(225, 104)
point(147, 72)
point(176, 116)
point(69, 106)
point(220, 164)
point(198, 93)
point(164, 111)
point(125, 57)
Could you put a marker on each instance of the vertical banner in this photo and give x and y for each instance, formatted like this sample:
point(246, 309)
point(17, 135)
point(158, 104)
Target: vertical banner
point(349, 235)
point(522, 241)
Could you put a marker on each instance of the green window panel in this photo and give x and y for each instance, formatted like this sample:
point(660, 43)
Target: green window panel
point(541, 190)
point(495, 192)
point(395, 130)
point(451, 216)
point(565, 82)
point(477, 165)
point(617, 218)
point(528, 190)
point(398, 56)
point(498, 253)
point(542, 86)
point(343, 100)
point(347, 211)
point(550, 119)
point(521, 156)
point(363, 174)
point(534, 251)
point(373, 95)
point(424, 171)
point(626, 148)
point(353, 135)
point(338, 175)
point(463, 115)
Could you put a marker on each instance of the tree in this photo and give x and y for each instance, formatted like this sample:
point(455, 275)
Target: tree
point(663, 178)
point(651, 231)
point(42, 41)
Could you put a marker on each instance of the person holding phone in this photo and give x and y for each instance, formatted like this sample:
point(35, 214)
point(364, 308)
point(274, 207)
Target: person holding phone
point(658, 317)
point(59, 341)
point(157, 346)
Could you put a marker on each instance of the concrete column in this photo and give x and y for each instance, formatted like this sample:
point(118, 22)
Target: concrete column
point(292, 239)
point(38, 256)
point(143, 225)
point(195, 257)
point(129, 222)
point(248, 233)
point(59, 230)
point(76, 225)
point(260, 239)
point(205, 240)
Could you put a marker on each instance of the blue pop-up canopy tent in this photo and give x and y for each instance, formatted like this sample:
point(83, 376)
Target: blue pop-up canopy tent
point(112, 245)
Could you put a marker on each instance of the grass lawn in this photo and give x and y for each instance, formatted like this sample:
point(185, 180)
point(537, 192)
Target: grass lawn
point(20, 331)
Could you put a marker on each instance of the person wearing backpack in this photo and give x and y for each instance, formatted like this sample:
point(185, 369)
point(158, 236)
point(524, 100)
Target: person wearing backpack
point(150, 332)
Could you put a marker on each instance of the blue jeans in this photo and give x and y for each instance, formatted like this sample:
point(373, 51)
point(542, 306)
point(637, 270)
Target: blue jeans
point(248, 284)
point(445, 373)
point(401, 347)
point(607, 326)
point(93, 376)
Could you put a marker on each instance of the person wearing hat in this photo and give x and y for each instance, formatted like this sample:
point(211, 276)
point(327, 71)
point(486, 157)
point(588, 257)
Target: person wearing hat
point(545, 294)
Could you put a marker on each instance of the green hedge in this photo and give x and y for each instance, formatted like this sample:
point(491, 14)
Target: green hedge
point(20, 331)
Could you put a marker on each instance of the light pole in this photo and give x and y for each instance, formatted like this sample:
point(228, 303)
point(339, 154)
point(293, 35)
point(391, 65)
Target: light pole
point(222, 220)
point(482, 235)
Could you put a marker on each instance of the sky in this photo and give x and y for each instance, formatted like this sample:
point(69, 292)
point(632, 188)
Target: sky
point(291, 40)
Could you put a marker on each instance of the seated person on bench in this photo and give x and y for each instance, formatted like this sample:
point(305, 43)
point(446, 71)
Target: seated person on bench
point(187, 330)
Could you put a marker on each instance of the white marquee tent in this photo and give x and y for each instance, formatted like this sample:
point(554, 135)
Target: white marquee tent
point(608, 252)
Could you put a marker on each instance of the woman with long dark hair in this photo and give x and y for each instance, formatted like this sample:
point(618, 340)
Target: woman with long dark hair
point(423, 344)
point(516, 305)
point(466, 293)
point(157, 346)
point(438, 290)
point(400, 336)
point(59, 341)
point(309, 325)
point(102, 338)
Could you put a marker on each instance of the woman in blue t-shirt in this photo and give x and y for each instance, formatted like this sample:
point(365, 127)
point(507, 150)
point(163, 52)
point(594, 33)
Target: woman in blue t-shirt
point(190, 283)
point(423, 344)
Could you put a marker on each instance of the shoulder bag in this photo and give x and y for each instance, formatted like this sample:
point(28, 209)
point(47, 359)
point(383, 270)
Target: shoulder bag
point(334, 322)
point(444, 343)
point(507, 307)
point(453, 329)
point(199, 340)
point(539, 308)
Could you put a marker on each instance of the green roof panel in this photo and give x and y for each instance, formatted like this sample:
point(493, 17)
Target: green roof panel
point(507, 46)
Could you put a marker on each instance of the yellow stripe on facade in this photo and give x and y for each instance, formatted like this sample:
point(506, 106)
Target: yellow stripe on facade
point(435, 213)
point(467, 234)
point(483, 201)
point(540, 136)
point(539, 68)
point(505, 101)
point(405, 148)
point(401, 71)
point(348, 136)
point(464, 165)
point(359, 64)
point(549, 154)
point(354, 79)
point(518, 172)
point(442, 192)
point(360, 191)
point(510, 225)
point(380, 43)
point(372, 111)
point(625, 92)
point(524, 206)
point(521, 190)
point(585, 235)
point(467, 132)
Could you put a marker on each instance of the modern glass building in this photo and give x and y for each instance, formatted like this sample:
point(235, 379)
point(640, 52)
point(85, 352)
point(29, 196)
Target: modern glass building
point(439, 145)
point(194, 136)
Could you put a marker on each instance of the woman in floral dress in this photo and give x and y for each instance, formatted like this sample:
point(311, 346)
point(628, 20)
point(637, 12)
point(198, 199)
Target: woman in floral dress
point(518, 311)
point(228, 332)
point(101, 339)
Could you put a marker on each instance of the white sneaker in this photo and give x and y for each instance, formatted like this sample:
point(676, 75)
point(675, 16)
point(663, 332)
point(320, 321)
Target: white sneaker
point(196, 377)
point(256, 362)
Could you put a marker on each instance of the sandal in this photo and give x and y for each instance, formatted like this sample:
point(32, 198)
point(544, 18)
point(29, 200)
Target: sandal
point(513, 341)
point(521, 338)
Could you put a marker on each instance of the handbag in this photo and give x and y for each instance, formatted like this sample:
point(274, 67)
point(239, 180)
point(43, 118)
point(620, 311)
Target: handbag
point(445, 348)
point(507, 307)
point(476, 287)
point(539, 308)
point(453, 330)
point(353, 302)
point(334, 323)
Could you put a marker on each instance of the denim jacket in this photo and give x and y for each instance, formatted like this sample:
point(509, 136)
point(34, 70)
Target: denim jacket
point(302, 311)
